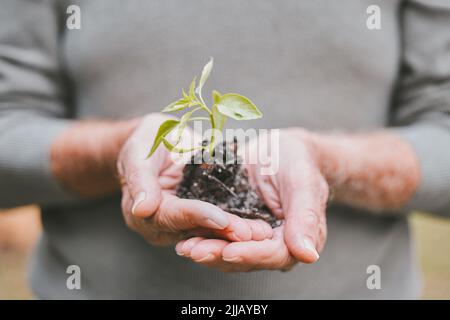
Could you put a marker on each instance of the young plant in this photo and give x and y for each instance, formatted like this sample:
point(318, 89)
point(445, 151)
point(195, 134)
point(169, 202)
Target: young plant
point(230, 105)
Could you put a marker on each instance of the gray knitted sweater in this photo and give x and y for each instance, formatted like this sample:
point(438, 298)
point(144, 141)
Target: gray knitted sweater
point(313, 64)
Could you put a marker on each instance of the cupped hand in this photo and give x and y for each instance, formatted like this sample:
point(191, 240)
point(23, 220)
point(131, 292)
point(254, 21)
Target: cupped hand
point(150, 206)
point(226, 256)
point(296, 191)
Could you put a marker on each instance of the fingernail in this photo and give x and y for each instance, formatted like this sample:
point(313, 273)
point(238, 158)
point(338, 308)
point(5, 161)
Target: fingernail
point(209, 257)
point(186, 248)
point(236, 259)
point(219, 218)
point(179, 253)
point(140, 197)
point(309, 246)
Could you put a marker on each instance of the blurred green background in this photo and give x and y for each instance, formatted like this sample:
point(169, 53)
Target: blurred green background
point(20, 228)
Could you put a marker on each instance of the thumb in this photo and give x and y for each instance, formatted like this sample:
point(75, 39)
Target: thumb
point(305, 228)
point(145, 193)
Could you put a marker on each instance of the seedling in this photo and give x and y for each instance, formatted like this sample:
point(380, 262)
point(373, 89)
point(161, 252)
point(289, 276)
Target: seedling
point(224, 184)
point(229, 105)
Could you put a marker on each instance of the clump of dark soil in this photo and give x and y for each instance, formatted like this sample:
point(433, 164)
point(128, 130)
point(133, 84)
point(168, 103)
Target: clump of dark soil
point(223, 182)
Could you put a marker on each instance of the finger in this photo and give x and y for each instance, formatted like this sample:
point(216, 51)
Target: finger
point(208, 252)
point(185, 214)
point(259, 229)
point(175, 214)
point(143, 188)
point(302, 235)
point(170, 177)
point(267, 189)
point(266, 254)
point(126, 202)
point(183, 248)
point(245, 229)
point(305, 228)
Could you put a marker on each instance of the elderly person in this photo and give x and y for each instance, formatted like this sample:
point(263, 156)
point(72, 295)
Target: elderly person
point(368, 118)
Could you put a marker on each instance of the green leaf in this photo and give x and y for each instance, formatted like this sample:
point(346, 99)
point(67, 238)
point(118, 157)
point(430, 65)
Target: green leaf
point(193, 102)
point(165, 128)
point(237, 107)
point(216, 96)
point(168, 145)
point(185, 95)
point(205, 74)
point(183, 123)
point(219, 118)
point(192, 89)
point(173, 148)
point(177, 105)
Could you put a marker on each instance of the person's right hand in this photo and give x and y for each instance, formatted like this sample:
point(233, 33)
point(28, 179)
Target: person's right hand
point(295, 192)
point(149, 204)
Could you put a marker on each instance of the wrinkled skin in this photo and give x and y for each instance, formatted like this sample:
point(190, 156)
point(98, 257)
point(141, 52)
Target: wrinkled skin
point(149, 204)
point(298, 193)
point(310, 165)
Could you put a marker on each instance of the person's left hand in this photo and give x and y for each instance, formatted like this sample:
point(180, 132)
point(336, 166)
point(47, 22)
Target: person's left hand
point(297, 192)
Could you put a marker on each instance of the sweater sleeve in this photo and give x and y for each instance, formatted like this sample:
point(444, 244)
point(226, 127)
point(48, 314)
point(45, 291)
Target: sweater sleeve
point(421, 109)
point(32, 108)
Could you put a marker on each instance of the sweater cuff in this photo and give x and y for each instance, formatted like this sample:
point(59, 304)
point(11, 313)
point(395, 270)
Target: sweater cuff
point(25, 165)
point(431, 144)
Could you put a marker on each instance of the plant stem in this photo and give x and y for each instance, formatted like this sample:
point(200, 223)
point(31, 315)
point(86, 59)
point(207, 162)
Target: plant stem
point(180, 150)
point(203, 104)
point(211, 119)
point(212, 140)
